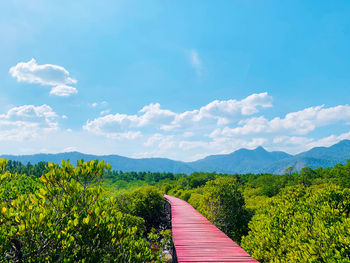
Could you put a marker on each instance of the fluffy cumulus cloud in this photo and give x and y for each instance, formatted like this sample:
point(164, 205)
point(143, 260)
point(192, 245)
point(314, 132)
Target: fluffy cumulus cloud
point(329, 140)
point(220, 126)
point(155, 118)
point(27, 122)
point(222, 112)
point(160, 132)
point(300, 122)
point(47, 75)
point(296, 144)
point(113, 126)
point(162, 142)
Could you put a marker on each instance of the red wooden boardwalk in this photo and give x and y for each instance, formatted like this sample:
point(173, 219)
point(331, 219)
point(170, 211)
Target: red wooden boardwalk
point(198, 240)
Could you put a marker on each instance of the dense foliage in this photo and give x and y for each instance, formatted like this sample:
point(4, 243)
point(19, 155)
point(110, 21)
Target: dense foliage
point(64, 216)
point(120, 182)
point(295, 217)
point(60, 212)
point(146, 202)
point(302, 224)
point(29, 169)
point(223, 204)
point(217, 197)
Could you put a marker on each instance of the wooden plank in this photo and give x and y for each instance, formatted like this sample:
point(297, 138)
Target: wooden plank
point(196, 239)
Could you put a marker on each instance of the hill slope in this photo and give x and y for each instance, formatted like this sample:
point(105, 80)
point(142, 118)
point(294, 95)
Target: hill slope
point(117, 162)
point(314, 158)
point(240, 161)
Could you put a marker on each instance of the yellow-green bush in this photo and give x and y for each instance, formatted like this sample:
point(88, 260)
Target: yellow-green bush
point(302, 225)
point(61, 217)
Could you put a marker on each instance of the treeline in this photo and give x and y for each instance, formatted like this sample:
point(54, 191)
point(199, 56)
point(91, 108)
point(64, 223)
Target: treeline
point(119, 182)
point(299, 216)
point(91, 213)
point(148, 177)
point(66, 216)
point(295, 217)
point(29, 169)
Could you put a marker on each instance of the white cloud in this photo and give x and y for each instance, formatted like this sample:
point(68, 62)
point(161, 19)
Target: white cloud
point(27, 122)
point(46, 75)
point(110, 124)
point(105, 112)
point(163, 142)
point(188, 134)
point(300, 122)
point(113, 126)
point(189, 145)
point(152, 114)
point(292, 140)
point(329, 140)
point(130, 135)
point(219, 127)
point(166, 145)
point(223, 112)
point(30, 112)
point(297, 144)
point(196, 61)
point(63, 91)
point(160, 130)
point(69, 149)
point(100, 105)
point(154, 118)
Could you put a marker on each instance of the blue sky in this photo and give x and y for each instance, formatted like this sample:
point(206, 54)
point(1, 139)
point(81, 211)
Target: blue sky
point(176, 79)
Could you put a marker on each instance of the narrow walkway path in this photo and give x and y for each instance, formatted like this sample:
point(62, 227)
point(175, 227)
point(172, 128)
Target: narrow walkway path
point(198, 240)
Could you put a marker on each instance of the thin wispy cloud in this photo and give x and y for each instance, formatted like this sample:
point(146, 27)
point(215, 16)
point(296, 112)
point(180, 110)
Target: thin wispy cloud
point(46, 75)
point(63, 91)
point(69, 149)
point(196, 61)
point(100, 105)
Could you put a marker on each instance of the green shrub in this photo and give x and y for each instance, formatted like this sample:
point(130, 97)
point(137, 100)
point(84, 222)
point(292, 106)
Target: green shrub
point(302, 225)
point(62, 218)
point(223, 204)
point(146, 202)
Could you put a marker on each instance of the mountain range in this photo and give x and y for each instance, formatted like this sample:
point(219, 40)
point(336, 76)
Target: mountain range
point(241, 161)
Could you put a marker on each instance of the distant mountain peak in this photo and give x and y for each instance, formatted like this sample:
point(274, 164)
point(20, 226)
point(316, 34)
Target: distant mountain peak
point(260, 148)
point(257, 160)
point(245, 150)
